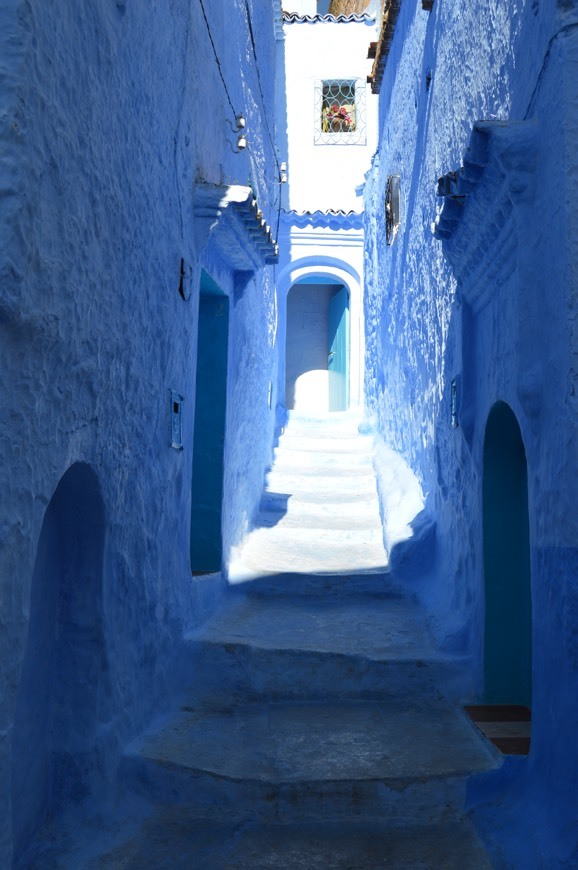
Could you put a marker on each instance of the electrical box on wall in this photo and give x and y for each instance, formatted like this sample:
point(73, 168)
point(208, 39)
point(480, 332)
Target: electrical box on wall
point(176, 420)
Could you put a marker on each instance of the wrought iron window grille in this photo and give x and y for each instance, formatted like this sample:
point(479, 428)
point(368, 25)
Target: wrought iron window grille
point(340, 112)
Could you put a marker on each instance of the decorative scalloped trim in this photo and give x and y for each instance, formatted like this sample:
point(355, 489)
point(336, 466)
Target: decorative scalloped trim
point(325, 219)
point(296, 18)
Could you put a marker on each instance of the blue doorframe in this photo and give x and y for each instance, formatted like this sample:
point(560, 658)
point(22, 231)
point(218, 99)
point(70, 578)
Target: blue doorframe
point(338, 350)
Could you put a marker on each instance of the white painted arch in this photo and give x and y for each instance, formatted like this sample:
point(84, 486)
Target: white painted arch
point(304, 269)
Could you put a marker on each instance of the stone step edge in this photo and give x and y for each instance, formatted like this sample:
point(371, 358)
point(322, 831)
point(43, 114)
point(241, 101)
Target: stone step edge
point(431, 657)
point(395, 783)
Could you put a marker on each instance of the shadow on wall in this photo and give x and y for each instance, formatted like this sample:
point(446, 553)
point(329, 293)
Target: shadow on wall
point(413, 559)
point(63, 692)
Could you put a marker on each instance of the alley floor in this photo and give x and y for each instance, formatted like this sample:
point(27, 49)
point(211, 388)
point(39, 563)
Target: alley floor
point(321, 727)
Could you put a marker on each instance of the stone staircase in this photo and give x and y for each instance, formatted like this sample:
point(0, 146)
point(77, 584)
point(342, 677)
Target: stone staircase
point(319, 512)
point(321, 728)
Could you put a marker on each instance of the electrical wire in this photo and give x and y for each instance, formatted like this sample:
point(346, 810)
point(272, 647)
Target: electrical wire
point(260, 83)
point(217, 61)
point(263, 103)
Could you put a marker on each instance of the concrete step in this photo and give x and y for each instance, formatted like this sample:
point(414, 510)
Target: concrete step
point(299, 539)
point(343, 586)
point(353, 445)
point(322, 461)
point(330, 486)
point(257, 648)
point(335, 421)
point(318, 516)
point(291, 762)
point(318, 500)
point(309, 551)
point(204, 844)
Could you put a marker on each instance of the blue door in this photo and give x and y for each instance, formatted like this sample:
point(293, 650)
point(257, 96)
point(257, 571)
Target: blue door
point(209, 430)
point(338, 350)
point(508, 618)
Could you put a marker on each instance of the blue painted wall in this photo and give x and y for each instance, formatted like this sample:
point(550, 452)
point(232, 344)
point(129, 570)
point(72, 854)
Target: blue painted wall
point(489, 303)
point(108, 127)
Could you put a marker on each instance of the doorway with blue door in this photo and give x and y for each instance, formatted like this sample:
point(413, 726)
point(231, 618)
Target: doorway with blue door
point(209, 428)
point(317, 370)
point(507, 575)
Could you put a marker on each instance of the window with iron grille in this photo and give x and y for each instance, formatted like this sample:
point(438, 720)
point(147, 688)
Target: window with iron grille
point(340, 112)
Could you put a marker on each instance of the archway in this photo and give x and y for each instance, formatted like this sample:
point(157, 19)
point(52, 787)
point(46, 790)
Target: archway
point(317, 345)
point(508, 610)
point(334, 271)
point(64, 682)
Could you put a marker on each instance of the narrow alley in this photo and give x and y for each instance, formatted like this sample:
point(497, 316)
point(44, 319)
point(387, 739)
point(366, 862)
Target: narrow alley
point(288, 428)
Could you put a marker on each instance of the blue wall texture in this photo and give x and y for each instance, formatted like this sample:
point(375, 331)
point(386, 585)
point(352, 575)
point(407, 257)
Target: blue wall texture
point(111, 121)
point(119, 186)
point(479, 288)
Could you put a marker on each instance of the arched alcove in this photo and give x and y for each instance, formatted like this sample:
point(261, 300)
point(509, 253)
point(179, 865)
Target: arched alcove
point(206, 546)
point(508, 606)
point(63, 686)
point(317, 345)
point(341, 278)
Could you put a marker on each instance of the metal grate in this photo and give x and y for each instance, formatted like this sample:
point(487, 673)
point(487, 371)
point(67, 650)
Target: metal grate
point(340, 112)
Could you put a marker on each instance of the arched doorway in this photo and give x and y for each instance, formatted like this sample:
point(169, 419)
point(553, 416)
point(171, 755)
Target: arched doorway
point(508, 608)
point(63, 689)
point(317, 345)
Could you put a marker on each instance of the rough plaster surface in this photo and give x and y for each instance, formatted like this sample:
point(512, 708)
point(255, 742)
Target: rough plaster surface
point(106, 126)
point(493, 306)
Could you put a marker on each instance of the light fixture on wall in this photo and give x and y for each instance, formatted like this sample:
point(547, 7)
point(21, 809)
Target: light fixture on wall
point(238, 127)
point(392, 208)
point(283, 173)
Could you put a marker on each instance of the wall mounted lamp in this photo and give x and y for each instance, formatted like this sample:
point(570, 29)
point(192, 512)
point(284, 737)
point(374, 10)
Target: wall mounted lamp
point(238, 127)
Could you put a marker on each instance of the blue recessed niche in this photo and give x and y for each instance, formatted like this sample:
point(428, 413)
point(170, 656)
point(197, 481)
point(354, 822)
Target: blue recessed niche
point(317, 369)
point(209, 429)
point(508, 605)
point(64, 685)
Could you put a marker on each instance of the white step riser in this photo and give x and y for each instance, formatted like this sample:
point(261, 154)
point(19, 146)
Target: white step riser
point(341, 520)
point(306, 539)
point(281, 482)
point(323, 462)
point(311, 560)
point(342, 445)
